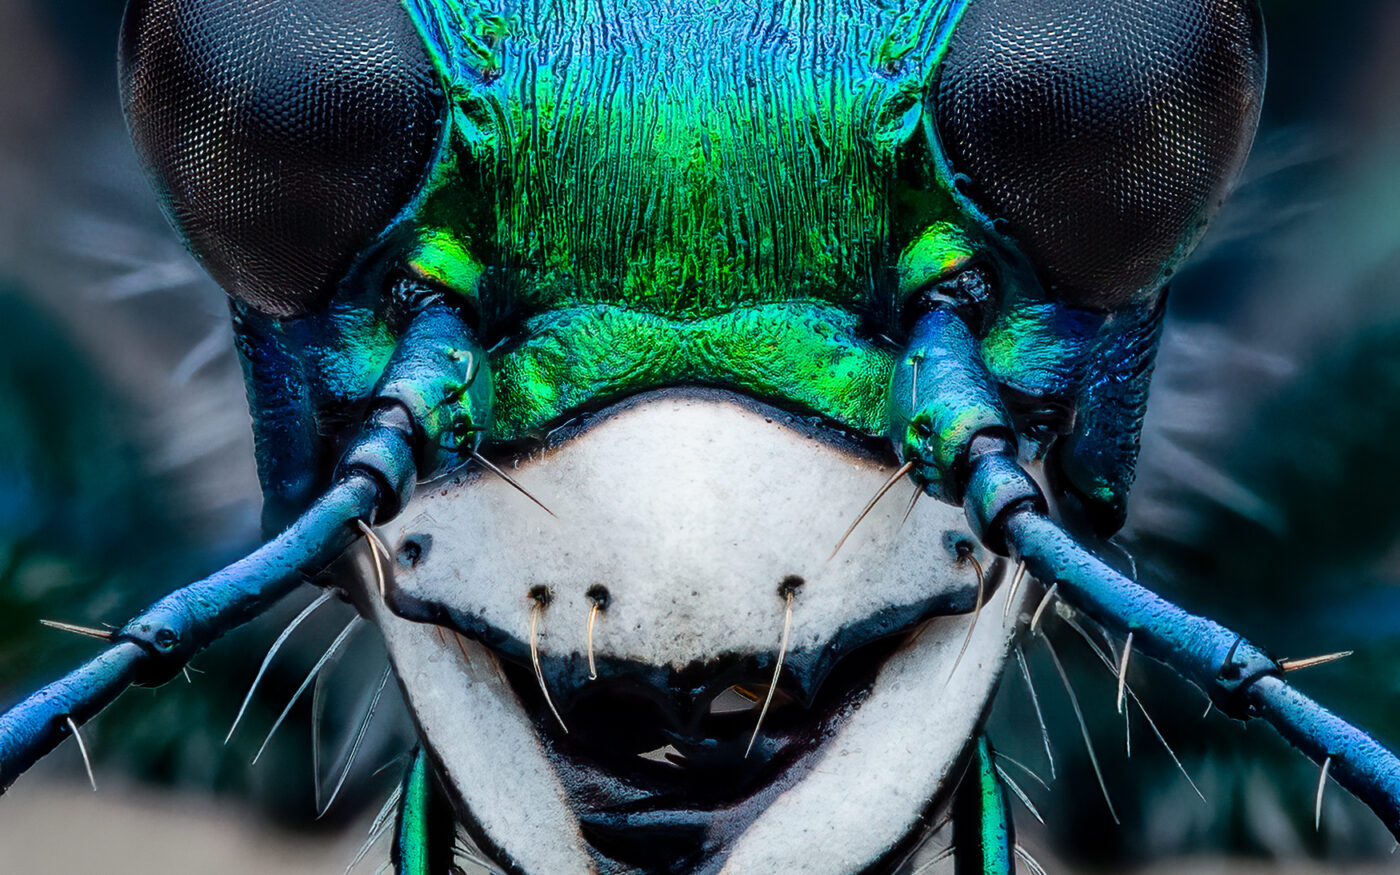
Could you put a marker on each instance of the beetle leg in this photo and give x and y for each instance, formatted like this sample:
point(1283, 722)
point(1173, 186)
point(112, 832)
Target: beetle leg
point(424, 834)
point(982, 831)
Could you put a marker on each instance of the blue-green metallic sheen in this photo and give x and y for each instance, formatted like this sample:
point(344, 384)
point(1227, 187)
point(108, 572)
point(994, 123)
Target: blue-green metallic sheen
point(984, 842)
point(424, 834)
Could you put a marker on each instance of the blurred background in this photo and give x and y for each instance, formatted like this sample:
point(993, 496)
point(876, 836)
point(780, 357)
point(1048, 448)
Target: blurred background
point(1266, 499)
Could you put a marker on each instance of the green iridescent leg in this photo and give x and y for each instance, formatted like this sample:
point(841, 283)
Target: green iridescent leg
point(983, 836)
point(423, 838)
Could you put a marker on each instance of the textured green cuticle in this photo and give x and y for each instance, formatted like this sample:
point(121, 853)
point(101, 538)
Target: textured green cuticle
point(938, 252)
point(1035, 347)
point(442, 257)
point(670, 192)
point(805, 356)
point(347, 368)
point(413, 831)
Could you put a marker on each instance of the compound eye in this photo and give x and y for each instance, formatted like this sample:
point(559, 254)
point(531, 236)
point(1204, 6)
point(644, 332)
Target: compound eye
point(1104, 135)
point(283, 136)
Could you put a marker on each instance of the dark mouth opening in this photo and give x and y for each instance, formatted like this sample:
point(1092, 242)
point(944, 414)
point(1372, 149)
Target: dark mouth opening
point(660, 779)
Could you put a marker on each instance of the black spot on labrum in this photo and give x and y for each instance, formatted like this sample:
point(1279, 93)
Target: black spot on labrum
point(414, 550)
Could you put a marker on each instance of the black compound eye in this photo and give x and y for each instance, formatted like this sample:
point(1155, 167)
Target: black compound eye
point(283, 136)
point(1104, 134)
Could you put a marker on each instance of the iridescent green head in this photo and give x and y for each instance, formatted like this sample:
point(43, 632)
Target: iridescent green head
point(804, 170)
point(762, 201)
